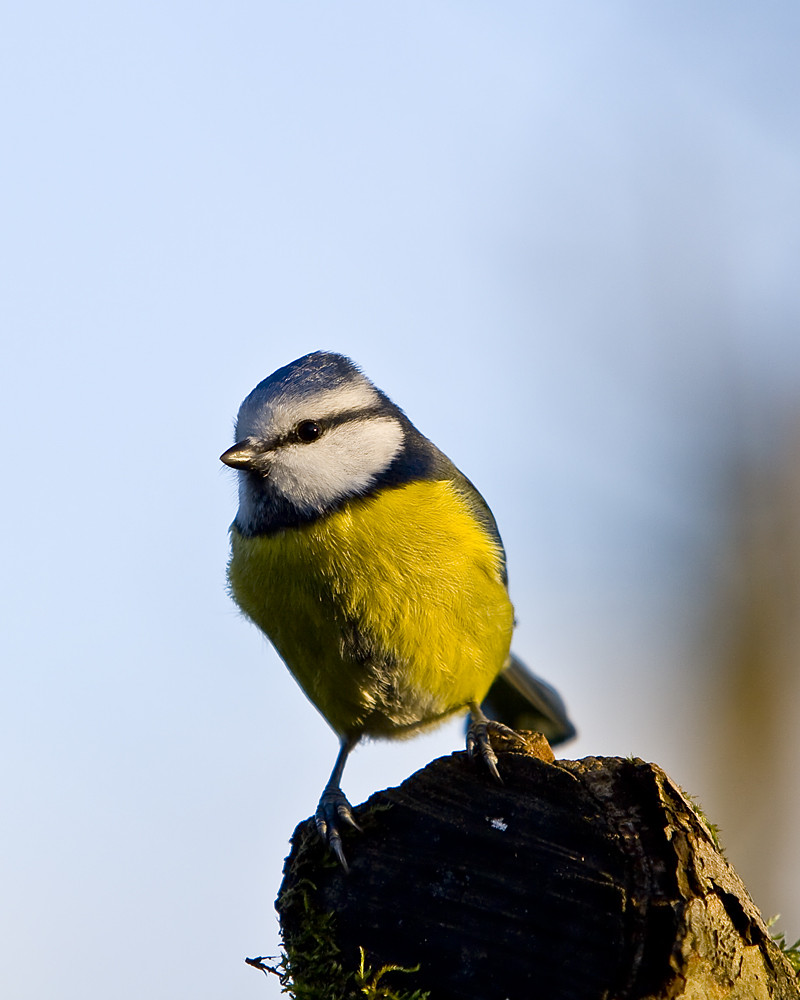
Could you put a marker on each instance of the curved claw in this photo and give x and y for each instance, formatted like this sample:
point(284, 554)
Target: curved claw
point(478, 739)
point(333, 810)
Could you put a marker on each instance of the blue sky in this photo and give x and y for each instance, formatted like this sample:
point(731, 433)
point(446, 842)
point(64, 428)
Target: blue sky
point(563, 237)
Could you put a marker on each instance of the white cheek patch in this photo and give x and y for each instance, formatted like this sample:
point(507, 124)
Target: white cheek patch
point(344, 461)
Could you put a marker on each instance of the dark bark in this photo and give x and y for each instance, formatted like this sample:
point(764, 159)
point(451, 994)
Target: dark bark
point(571, 880)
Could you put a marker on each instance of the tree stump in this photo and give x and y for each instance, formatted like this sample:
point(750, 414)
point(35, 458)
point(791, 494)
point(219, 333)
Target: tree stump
point(571, 880)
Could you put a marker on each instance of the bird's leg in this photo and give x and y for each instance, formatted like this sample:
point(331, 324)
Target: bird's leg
point(478, 737)
point(333, 807)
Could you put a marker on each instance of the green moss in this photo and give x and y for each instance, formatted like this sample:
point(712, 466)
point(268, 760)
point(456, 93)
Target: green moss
point(791, 951)
point(311, 969)
point(312, 966)
point(713, 829)
point(370, 985)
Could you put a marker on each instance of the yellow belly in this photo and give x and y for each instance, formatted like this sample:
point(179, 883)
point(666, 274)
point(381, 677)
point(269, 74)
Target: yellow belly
point(391, 613)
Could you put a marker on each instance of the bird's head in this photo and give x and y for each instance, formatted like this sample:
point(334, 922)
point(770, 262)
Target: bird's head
point(310, 436)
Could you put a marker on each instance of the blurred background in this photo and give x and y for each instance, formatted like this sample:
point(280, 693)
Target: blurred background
point(565, 237)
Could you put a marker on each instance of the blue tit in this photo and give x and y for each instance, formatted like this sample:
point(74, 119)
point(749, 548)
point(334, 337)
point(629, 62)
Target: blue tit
point(374, 567)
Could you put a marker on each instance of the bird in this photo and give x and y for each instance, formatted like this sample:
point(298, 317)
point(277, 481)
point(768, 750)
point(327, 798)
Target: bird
point(376, 570)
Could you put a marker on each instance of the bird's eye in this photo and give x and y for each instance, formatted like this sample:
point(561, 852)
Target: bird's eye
point(308, 431)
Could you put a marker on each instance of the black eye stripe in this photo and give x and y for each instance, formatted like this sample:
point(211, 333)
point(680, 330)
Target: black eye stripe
point(322, 424)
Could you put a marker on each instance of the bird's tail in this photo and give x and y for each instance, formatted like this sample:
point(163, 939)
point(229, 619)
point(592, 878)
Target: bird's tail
point(522, 700)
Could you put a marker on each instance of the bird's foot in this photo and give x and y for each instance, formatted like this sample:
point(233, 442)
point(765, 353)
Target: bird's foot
point(479, 741)
point(334, 810)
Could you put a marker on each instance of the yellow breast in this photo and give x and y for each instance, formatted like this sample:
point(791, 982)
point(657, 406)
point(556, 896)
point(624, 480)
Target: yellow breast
point(391, 612)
